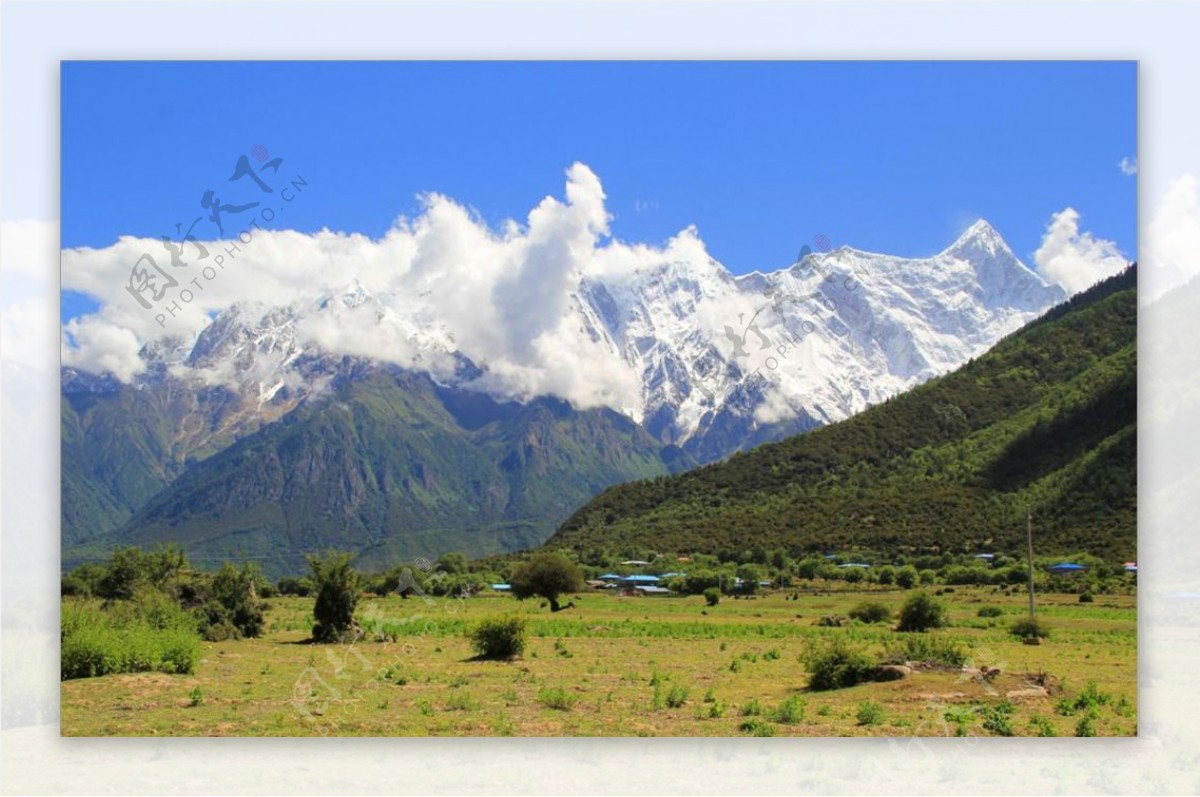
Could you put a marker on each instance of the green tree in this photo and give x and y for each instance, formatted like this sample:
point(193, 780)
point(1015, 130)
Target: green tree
point(452, 562)
point(336, 585)
point(234, 609)
point(906, 577)
point(921, 613)
point(547, 575)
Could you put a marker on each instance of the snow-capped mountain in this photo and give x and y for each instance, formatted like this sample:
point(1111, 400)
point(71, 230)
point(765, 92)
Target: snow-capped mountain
point(723, 362)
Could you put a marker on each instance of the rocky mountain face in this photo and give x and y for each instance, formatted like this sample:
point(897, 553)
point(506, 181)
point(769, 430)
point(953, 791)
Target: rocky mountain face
point(253, 435)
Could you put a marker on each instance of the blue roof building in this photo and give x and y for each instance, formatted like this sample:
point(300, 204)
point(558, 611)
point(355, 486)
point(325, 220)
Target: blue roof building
point(1066, 567)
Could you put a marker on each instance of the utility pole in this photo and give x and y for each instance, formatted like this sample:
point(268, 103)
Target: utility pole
point(1029, 540)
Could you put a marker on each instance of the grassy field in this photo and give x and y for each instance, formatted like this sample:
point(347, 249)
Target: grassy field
point(646, 666)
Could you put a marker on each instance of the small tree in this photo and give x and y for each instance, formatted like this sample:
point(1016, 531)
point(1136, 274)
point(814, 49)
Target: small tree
point(712, 596)
point(906, 577)
point(547, 575)
point(336, 586)
point(234, 603)
point(920, 613)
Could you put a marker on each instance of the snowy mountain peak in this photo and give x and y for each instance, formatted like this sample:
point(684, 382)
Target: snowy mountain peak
point(980, 237)
point(698, 357)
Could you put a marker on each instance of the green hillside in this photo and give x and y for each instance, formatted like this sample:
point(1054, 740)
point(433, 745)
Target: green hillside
point(1047, 419)
point(115, 456)
point(391, 466)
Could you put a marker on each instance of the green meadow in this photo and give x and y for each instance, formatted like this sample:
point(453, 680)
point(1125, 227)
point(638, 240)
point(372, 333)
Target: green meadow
point(639, 666)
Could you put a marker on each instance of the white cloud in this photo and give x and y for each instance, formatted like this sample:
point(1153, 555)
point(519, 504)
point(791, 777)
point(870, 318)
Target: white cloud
point(91, 343)
point(501, 296)
point(1128, 166)
point(1075, 260)
point(1172, 245)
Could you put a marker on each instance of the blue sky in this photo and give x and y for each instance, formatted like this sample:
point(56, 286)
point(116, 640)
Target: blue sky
point(890, 157)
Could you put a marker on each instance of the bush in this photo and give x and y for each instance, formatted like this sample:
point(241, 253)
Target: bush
point(232, 609)
point(336, 586)
point(997, 718)
point(989, 611)
point(677, 696)
point(557, 698)
point(712, 596)
point(907, 577)
point(499, 638)
point(1086, 597)
point(790, 711)
point(930, 648)
point(756, 727)
point(150, 633)
point(871, 612)
point(921, 613)
point(1086, 725)
point(301, 587)
point(837, 665)
point(870, 713)
point(1029, 628)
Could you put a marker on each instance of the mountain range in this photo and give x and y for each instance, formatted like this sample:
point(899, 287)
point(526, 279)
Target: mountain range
point(252, 441)
point(1044, 423)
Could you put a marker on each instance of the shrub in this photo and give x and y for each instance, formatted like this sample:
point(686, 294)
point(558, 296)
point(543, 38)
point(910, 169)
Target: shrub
point(677, 696)
point(753, 708)
point(712, 596)
point(790, 711)
point(83, 581)
point(1042, 726)
point(150, 633)
point(499, 638)
point(1090, 699)
point(1029, 628)
point(232, 609)
point(930, 648)
point(871, 612)
point(836, 665)
point(336, 586)
point(557, 698)
point(870, 713)
point(1086, 597)
point(906, 577)
point(756, 727)
point(301, 587)
point(1086, 725)
point(989, 611)
point(132, 570)
point(921, 613)
point(996, 718)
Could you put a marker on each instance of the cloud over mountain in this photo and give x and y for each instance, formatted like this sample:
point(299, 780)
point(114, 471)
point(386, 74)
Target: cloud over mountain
point(1076, 260)
point(499, 296)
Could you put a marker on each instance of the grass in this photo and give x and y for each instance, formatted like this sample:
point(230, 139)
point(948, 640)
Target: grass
point(126, 638)
point(275, 686)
